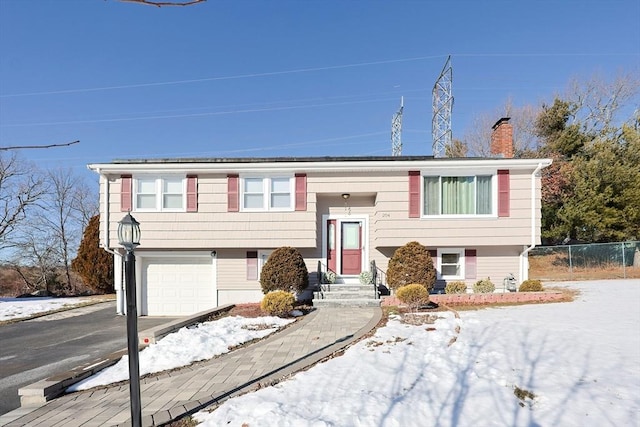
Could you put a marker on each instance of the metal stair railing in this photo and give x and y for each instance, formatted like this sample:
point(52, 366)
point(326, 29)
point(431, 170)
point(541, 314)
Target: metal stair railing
point(379, 278)
point(321, 274)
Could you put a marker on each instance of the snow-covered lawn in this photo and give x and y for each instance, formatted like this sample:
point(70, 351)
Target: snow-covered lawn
point(571, 364)
point(188, 345)
point(18, 308)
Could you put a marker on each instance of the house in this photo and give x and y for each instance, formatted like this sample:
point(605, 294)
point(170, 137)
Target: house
point(209, 225)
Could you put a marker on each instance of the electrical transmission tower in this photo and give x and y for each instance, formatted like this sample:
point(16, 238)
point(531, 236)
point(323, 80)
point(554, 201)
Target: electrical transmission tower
point(396, 131)
point(442, 106)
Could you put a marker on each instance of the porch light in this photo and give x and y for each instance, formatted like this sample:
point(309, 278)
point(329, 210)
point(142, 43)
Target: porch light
point(346, 196)
point(129, 232)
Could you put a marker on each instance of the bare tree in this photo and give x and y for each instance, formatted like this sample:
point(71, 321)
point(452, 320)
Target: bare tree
point(85, 203)
point(598, 101)
point(53, 234)
point(478, 136)
point(21, 187)
point(36, 259)
point(61, 219)
point(456, 149)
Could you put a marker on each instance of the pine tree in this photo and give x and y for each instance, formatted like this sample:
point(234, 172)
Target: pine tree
point(93, 263)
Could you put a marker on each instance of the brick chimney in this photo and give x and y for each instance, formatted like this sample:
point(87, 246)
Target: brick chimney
point(502, 138)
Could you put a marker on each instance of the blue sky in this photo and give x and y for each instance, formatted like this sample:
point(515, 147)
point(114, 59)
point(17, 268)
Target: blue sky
point(284, 78)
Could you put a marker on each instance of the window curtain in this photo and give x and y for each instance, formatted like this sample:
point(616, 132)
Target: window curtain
point(483, 189)
point(431, 195)
point(458, 195)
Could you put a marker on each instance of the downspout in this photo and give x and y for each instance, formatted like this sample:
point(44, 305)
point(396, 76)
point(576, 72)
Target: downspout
point(524, 256)
point(119, 287)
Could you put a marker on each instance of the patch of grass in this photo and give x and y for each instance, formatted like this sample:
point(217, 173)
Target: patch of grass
point(568, 294)
point(523, 395)
point(555, 267)
point(184, 422)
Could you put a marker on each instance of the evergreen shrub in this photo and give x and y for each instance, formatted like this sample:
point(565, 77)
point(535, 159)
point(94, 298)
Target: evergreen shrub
point(278, 303)
point(457, 287)
point(531, 285)
point(409, 264)
point(484, 286)
point(284, 270)
point(413, 295)
point(92, 263)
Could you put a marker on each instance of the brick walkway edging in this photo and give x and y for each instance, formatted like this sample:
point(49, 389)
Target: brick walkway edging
point(479, 299)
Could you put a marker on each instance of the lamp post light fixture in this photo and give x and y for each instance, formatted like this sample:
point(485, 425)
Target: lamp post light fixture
point(129, 238)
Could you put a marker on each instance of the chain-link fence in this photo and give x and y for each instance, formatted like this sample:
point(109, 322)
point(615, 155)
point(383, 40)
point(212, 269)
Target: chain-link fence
point(584, 262)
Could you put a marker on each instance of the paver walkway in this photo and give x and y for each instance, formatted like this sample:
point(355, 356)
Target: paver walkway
point(170, 395)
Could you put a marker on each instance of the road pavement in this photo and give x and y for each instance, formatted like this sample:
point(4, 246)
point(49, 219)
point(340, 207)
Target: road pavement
point(36, 349)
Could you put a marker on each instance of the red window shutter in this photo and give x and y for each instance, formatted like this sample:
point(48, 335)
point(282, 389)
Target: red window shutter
point(301, 191)
point(125, 193)
point(192, 193)
point(470, 270)
point(434, 254)
point(503, 193)
point(414, 194)
point(252, 265)
point(233, 194)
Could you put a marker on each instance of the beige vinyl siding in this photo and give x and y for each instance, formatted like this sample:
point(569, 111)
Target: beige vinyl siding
point(496, 263)
point(213, 227)
point(382, 196)
point(391, 226)
point(232, 267)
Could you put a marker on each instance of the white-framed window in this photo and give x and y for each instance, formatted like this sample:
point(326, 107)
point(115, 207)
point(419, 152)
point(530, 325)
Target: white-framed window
point(263, 256)
point(450, 264)
point(153, 193)
point(462, 195)
point(267, 193)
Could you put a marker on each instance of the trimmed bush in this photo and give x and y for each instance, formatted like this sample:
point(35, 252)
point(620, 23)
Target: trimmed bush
point(484, 286)
point(409, 264)
point(278, 303)
point(455, 288)
point(413, 295)
point(284, 270)
point(531, 285)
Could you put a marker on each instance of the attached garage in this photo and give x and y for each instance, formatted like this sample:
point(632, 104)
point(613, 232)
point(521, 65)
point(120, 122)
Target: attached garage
point(177, 285)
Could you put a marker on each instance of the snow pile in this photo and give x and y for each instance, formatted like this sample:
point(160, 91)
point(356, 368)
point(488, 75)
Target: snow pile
point(569, 364)
point(18, 308)
point(188, 345)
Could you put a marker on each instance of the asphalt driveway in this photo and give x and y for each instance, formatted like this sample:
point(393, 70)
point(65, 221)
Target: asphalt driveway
point(36, 349)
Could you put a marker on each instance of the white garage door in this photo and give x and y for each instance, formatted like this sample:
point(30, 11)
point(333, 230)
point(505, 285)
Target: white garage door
point(177, 286)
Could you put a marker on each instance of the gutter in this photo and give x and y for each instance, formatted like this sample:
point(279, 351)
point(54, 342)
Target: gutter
point(524, 272)
point(119, 287)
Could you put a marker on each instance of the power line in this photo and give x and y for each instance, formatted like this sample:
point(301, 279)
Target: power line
point(312, 69)
point(207, 114)
point(209, 79)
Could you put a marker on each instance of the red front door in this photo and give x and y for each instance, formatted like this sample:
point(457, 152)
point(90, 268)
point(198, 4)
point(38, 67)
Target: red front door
point(351, 247)
point(331, 245)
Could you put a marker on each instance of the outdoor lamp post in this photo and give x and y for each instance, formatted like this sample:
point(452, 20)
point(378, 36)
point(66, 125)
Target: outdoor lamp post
point(129, 238)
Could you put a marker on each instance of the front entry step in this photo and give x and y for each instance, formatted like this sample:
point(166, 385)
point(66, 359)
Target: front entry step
point(346, 303)
point(346, 295)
